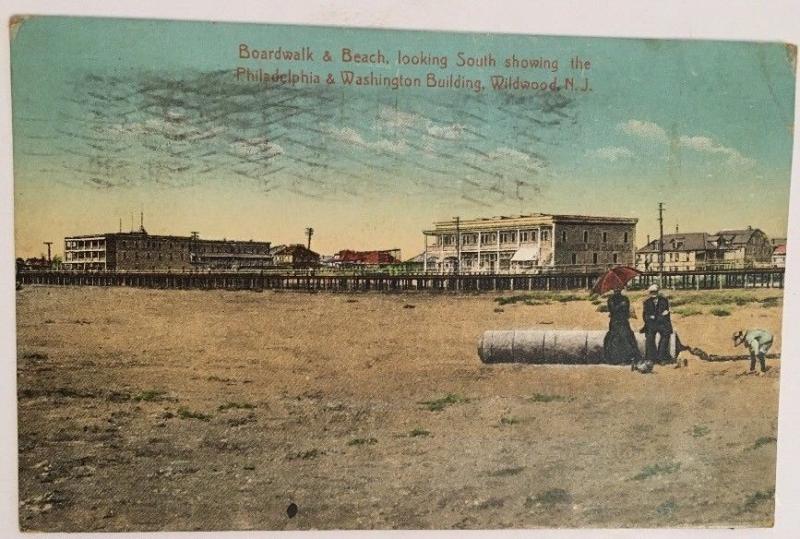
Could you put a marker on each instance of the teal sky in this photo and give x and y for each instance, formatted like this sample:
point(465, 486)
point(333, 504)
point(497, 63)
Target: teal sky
point(116, 116)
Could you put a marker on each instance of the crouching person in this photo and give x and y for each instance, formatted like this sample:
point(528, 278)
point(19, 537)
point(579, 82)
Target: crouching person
point(758, 341)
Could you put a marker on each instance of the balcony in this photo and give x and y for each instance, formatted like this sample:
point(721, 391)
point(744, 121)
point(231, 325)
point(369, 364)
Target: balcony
point(485, 247)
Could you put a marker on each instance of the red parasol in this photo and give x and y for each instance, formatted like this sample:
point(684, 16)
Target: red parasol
point(616, 277)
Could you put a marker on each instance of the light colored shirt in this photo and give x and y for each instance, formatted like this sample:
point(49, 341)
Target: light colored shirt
point(758, 340)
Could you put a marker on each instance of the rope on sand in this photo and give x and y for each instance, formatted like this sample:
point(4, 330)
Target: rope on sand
point(702, 354)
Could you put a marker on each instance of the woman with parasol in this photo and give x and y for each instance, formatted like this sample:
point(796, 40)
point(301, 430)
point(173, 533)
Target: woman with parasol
point(620, 344)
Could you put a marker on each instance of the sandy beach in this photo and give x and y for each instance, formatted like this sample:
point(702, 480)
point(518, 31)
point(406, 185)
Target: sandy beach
point(208, 410)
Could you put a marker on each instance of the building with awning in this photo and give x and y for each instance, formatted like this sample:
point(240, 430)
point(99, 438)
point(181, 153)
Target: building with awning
point(525, 257)
point(530, 243)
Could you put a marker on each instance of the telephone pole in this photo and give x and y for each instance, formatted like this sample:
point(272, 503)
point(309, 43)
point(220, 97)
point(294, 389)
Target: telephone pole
point(660, 242)
point(309, 233)
point(48, 243)
point(458, 244)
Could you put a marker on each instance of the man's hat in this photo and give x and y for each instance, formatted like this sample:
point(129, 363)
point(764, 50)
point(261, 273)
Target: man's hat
point(738, 336)
point(653, 288)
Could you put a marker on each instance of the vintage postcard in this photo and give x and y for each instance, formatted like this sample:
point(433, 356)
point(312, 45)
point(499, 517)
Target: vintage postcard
point(291, 277)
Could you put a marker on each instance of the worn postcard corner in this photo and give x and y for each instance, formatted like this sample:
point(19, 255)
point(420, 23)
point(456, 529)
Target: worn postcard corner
point(276, 277)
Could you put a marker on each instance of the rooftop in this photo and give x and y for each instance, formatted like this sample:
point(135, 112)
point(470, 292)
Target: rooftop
point(144, 235)
point(530, 219)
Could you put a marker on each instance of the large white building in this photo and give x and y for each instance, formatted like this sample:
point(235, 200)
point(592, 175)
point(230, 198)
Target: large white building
point(529, 243)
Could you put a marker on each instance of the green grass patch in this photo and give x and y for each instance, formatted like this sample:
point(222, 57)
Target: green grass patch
point(544, 397)
point(549, 498)
point(37, 356)
point(764, 440)
point(437, 405)
point(150, 395)
point(687, 311)
point(653, 470)
point(723, 298)
point(757, 498)
point(539, 298)
point(667, 508)
point(185, 413)
point(720, 312)
point(510, 420)
point(235, 406)
point(771, 301)
point(305, 455)
point(416, 433)
point(506, 472)
point(363, 441)
point(698, 431)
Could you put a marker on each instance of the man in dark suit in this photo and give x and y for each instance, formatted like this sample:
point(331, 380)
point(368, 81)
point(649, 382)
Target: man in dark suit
point(656, 322)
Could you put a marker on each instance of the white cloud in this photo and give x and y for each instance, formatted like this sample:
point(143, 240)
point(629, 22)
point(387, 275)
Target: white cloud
point(653, 131)
point(256, 146)
point(172, 128)
point(352, 137)
point(644, 129)
point(708, 145)
point(394, 118)
point(449, 132)
point(509, 153)
point(611, 153)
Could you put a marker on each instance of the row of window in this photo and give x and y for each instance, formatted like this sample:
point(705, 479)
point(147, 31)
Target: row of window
point(85, 244)
point(614, 258)
point(170, 245)
point(668, 257)
point(80, 255)
point(136, 255)
point(525, 236)
point(486, 238)
point(585, 236)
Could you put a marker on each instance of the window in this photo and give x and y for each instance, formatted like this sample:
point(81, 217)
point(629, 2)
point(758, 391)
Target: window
point(625, 238)
point(574, 258)
point(545, 235)
point(594, 258)
point(615, 257)
point(605, 237)
point(585, 236)
point(564, 235)
point(523, 236)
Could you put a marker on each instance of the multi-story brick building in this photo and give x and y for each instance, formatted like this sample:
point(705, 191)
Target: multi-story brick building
point(530, 243)
point(121, 251)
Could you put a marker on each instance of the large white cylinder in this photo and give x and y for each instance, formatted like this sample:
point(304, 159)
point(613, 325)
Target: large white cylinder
point(553, 346)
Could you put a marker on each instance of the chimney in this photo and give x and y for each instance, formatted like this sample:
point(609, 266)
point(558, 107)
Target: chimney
point(676, 228)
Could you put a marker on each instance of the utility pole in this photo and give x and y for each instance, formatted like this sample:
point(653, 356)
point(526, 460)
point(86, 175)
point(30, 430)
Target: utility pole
point(660, 242)
point(458, 244)
point(309, 233)
point(48, 243)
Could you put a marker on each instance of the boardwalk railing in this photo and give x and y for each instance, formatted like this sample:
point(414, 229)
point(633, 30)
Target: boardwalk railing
point(745, 278)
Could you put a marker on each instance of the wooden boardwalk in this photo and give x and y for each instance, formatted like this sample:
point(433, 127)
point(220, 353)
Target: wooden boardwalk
point(697, 280)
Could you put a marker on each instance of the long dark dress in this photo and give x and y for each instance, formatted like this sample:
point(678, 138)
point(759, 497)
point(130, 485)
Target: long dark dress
point(619, 344)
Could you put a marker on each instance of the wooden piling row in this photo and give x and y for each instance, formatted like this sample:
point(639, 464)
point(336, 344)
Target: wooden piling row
point(746, 278)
